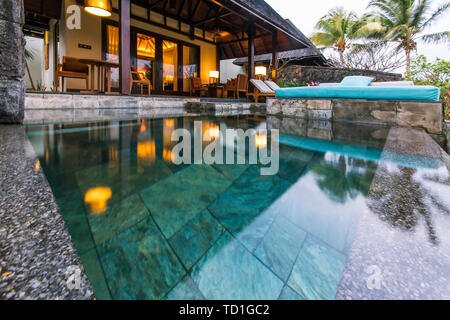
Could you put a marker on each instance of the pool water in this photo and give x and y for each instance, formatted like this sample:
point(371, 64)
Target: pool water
point(146, 228)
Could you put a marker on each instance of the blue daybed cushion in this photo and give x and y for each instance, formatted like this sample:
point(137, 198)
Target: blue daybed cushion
point(421, 93)
point(356, 81)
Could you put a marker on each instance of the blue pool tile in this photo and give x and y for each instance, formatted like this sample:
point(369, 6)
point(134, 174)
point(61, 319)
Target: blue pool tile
point(196, 237)
point(93, 268)
point(293, 162)
point(229, 271)
point(247, 198)
point(186, 289)
point(80, 232)
point(317, 271)
point(288, 294)
point(280, 246)
point(177, 199)
point(310, 208)
point(117, 218)
point(139, 264)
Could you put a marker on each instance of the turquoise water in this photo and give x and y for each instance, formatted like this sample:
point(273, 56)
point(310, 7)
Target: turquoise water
point(146, 228)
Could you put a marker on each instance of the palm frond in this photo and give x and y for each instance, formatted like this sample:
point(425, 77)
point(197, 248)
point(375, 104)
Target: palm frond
point(436, 14)
point(437, 37)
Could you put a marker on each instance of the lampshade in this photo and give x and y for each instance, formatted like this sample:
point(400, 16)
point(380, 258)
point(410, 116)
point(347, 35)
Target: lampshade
point(260, 71)
point(101, 8)
point(214, 74)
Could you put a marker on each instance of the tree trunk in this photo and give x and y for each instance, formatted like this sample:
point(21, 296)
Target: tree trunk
point(29, 76)
point(341, 57)
point(408, 61)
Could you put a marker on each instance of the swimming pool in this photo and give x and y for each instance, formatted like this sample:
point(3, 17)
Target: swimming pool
point(146, 228)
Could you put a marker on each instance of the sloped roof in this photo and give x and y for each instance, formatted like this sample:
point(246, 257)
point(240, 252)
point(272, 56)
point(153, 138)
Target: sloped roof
point(300, 54)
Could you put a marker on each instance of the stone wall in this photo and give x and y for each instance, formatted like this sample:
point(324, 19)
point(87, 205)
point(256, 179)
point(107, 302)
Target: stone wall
point(12, 86)
point(304, 75)
point(418, 114)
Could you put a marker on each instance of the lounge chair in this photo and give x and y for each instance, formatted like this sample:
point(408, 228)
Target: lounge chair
point(197, 86)
point(261, 90)
point(272, 85)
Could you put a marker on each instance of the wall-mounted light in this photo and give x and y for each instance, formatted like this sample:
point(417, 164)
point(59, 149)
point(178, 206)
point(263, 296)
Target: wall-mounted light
point(101, 8)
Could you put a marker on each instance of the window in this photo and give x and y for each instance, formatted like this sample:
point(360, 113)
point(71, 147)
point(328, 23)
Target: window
point(170, 66)
point(190, 68)
point(112, 52)
point(146, 56)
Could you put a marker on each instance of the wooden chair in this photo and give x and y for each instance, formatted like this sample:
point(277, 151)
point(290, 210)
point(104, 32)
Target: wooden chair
point(72, 68)
point(241, 85)
point(261, 90)
point(230, 86)
point(197, 86)
point(140, 80)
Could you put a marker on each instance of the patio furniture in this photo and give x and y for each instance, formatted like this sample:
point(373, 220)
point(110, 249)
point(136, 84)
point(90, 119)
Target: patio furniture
point(215, 90)
point(72, 68)
point(272, 85)
point(261, 90)
point(140, 80)
point(418, 93)
point(102, 66)
point(197, 86)
point(230, 86)
point(241, 85)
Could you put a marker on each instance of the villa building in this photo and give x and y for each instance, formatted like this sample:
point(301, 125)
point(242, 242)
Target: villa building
point(170, 41)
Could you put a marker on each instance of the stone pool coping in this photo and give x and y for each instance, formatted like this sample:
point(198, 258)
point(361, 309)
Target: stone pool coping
point(36, 249)
point(428, 115)
point(37, 256)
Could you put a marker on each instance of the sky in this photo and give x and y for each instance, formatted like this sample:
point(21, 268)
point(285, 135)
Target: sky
point(305, 14)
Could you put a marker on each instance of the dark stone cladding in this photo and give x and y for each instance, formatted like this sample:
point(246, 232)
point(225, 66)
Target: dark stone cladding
point(12, 88)
point(306, 74)
point(37, 256)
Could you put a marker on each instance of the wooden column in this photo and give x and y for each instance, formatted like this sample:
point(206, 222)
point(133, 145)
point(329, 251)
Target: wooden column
point(274, 56)
point(159, 64)
point(124, 46)
point(251, 52)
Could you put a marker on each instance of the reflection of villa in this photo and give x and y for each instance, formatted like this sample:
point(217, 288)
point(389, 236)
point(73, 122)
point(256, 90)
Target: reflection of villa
point(170, 41)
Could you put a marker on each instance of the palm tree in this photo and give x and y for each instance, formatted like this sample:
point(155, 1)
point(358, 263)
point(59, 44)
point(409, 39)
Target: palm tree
point(403, 20)
point(338, 28)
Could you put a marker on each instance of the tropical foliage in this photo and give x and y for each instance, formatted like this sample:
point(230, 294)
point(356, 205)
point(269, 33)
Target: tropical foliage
point(437, 73)
point(403, 21)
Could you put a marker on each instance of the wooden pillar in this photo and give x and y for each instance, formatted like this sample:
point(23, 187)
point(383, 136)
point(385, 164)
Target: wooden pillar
point(251, 52)
point(274, 56)
point(124, 46)
point(218, 58)
point(158, 64)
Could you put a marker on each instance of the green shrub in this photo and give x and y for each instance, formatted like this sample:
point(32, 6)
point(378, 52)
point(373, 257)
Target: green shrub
point(436, 74)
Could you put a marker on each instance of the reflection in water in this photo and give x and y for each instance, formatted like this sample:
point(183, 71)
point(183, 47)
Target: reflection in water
point(399, 196)
point(167, 155)
point(342, 177)
point(146, 152)
point(261, 140)
point(37, 165)
point(97, 199)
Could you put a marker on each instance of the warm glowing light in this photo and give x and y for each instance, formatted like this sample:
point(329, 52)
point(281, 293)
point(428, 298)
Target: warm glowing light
point(214, 74)
point(261, 140)
point(213, 133)
point(146, 152)
point(101, 8)
point(167, 155)
point(261, 71)
point(169, 122)
point(37, 165)
point(143, 128)
point(97, 198)
point(169, 78)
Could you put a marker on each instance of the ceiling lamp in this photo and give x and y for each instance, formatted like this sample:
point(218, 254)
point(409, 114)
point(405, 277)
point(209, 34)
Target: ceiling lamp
point(101, 8)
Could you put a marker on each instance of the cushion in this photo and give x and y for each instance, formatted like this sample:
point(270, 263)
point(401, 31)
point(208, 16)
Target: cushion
point(73, 65)
point(392, 84)
point(356, 81)
point(329, 84)
point(261, 86)
point(272, 85)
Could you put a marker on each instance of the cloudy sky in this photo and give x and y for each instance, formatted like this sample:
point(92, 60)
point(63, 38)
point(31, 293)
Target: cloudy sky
point(305, 15)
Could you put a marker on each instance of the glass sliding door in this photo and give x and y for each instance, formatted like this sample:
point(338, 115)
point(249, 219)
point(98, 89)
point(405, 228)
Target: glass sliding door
point(190, 66)
point(112, 52)
point(170, 66)
point(146, 56)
